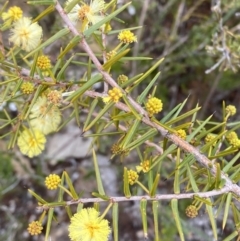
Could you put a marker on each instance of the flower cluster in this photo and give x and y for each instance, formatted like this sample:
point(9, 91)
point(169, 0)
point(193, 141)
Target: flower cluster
point(54, 97)
point(127, 37)
point(27, 88)
point(231, 135)
point(13, 14)
point(191, 211)
point(132, 177)
point(35, 228)
point(144, 166)
point(25, 34)
point(85, 14)
point(52, 181)
point(43, 62)
point(86, 225)
point(122, 78)
point(181, 133)
point(45, 116)
point(31, 142)
point(231, 110)
point(233, 139)
point(153, 106)
point(235, 142)
point(110, 54)
point(113, 95)
point(116, 149)
point(209, 137)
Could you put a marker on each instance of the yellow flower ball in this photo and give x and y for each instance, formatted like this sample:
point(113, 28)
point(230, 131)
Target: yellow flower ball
point(43, 62)
point(45, 116)
point(154, 106)
point(52, 181)
point(13, 14)
point(27, 88)
point(132, 176)
point(126, 37)
point(25, 34)
point(231, 110)
point(35, 228)
point(31, 142)
point(86, 225)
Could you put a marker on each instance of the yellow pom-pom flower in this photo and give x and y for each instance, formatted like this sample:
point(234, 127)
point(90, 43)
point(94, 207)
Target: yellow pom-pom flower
point(231, 110)
point(132, 177)
point(45, 116)
point(144, 166)
point(13, 14)
point(43, 62)
point(116, 149)
point(85, 14)
point(27, 88)
point(181, 133)
point(110, 54)
point(127, 37)
point(54, 97)
point(235, 142)
point(26, 34)
point(31, 142)
point(153, 106)
point(231, 135)
point(86, 225)
point(191, 211)
point(122, 78)
point(35, 228)
point(52, 181)
point(113, 95)
point(209, 138)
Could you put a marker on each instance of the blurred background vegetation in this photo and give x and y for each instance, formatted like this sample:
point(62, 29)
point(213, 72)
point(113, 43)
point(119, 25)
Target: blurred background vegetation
point(187, 34)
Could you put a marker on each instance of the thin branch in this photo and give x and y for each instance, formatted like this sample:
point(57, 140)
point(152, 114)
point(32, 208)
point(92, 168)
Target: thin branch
point(156, 198)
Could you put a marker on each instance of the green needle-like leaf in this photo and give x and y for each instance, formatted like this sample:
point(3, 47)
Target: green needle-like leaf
point(115, 221)
point(145, 75)
point(91, 110)
point(115, 59)
point(141, 139)
point(155, 185)
point(41, 2)
point(100, 114)
point(98, 174)
point(192, 179)
point(70, 185)
point(226, 211)
point(126, 188)
point(45, 12)
point(184, 116)
point(49, 222)
point(212, 219)
point(63, 68)
point(76, 94)
point(174, 205)
point(155, 208)
point(130, 133)
point(176, 185)
point(96, 26)
point(143, 208)
point(232, 236)
point(143, 95)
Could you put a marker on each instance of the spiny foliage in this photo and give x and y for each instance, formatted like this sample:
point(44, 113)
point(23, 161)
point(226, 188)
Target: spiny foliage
point(198, 157)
